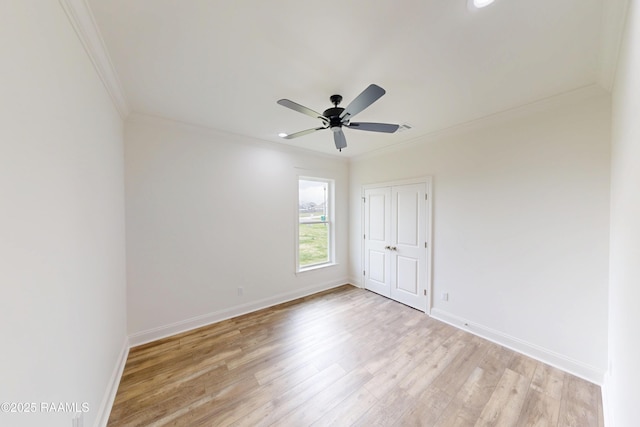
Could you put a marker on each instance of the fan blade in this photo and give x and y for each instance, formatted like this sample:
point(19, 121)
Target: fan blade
point(302, 109)
point(374, 127)
point(340, 140)
point(301, 133)
point(368, 96)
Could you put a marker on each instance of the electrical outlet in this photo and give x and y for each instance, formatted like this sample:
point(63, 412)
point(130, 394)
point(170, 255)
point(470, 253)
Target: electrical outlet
point(445, 296)
point(240, 291)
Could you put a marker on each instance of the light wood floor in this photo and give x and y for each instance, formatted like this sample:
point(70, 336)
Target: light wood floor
point(338, 358)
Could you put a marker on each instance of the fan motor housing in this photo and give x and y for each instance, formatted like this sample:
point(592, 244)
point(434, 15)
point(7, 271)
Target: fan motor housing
point(333, 114)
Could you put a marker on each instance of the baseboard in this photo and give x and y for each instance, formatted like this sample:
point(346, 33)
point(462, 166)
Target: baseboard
point(355, 281)
point(606, 400)
point(154, 334)
point(112, 388)
point(567, 364)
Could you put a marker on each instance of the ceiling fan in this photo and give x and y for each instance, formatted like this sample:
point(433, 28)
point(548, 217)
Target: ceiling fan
point(335, 117)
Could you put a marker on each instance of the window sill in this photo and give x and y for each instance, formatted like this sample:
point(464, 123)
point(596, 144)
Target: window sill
point(316, 267)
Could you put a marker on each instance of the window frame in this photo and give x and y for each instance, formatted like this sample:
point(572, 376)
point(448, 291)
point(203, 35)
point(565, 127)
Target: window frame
point(330, 222)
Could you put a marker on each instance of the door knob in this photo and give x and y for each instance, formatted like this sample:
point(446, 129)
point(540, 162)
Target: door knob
point(393, 248)
point(388, 247)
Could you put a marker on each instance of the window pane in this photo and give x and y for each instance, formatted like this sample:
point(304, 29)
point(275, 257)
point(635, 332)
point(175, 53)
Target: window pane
point(313, 244)
point(313, 200)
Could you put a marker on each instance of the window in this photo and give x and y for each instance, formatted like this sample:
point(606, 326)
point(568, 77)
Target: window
point(315, 223)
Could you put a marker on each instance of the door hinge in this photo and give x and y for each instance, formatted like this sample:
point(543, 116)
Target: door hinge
point(364, 236)
point(425, 292)
point(426, 196)
point(364, 200)
point(425, 244)
point(364, 273)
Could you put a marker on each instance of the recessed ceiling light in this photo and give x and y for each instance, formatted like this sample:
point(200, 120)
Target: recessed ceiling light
point(282, 134)
point(482, 3)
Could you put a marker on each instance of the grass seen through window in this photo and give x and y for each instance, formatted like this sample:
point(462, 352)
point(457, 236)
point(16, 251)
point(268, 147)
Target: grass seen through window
point(313, 244)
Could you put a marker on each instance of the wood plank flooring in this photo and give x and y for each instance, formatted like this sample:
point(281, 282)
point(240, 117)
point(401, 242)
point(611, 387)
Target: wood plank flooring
point(336, 359)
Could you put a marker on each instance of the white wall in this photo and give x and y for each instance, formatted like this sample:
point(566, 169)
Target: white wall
point(621, 386)
point(520, 226)
point(209, 212)
point(62, 260)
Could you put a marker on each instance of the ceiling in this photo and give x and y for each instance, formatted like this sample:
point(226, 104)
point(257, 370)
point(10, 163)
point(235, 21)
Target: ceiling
point(223, 64)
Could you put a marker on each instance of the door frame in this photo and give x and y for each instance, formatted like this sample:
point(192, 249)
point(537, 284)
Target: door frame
point(428, 181)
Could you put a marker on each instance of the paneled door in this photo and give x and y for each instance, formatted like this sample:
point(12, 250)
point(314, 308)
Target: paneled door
point(377, 237)
point(395, 243)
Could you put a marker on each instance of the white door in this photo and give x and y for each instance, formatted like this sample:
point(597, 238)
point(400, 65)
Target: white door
point(395, 243)
point(408, 245)
point(377, 235)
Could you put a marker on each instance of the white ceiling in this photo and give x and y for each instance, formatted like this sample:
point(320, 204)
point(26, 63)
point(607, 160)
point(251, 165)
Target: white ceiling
point(223, 64)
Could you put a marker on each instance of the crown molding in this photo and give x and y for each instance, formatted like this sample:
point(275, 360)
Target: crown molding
point(221, 135)
point(614, 17)
point(81, 18)
point(572, 97)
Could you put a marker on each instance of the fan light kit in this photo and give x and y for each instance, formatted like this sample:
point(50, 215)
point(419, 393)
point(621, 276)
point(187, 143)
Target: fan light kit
point(482, 3)
point(335, 117)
